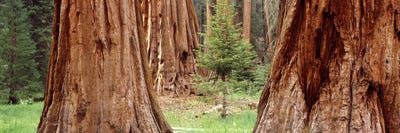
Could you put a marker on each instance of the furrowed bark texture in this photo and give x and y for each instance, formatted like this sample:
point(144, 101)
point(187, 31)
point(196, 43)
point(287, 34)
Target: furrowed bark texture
point(172, 36)
point(335, 68)
point(98, 74)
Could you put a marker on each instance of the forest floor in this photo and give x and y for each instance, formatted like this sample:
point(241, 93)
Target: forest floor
point(202, 113)
point(201, 105)
point(21, 118)
point(184, 114)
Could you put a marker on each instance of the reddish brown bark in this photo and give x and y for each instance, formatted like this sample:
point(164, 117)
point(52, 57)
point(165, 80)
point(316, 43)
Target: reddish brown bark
point(247, 20)
point(239, 11)
point(98, 75)
point(210, 11)
point(335, 68)
point(172, 39)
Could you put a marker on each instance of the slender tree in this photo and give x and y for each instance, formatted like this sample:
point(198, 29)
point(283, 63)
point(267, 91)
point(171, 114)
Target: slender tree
point(172, 37)
point(209, 11)
point(227, 52)
point(201, 12)
point(258, 30)
point(17, 53)
point(98, 75)
point(271, 16)
point(239, 11)
point(247, 20)
point(336, 68)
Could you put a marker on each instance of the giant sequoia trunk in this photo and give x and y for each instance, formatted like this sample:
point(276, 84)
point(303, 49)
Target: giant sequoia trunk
point(335, 68)
point(98, 74)
point(172, 38)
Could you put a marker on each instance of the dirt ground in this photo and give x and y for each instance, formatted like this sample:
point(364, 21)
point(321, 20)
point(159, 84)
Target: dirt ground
point(205, 104)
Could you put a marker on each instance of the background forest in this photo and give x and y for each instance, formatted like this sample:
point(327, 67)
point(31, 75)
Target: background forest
point(199, 66)
point(228, 85)
point(25, 40)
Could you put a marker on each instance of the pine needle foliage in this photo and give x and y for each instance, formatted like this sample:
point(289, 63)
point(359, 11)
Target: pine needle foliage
point(19, 74)
point(225, 52)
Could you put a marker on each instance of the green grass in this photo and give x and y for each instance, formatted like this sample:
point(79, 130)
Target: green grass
point(240, 95)
point(20, 118)
point(3, 101)
point(24, 119)
point(242, 122)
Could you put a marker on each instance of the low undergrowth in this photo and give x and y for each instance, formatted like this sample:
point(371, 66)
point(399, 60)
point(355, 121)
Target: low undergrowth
point(201, 114)
point(21, 118)
point(183, 114)
point(242, 122)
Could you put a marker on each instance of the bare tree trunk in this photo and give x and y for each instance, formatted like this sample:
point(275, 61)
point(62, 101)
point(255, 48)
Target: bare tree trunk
point(224, 102)
point(200, 8)
point(268, 37)
point(239, 11)
point(247, 20)
point(98, 74)
point(172, 40)
point(271, 12)
point(210, 11)
point(336, 68)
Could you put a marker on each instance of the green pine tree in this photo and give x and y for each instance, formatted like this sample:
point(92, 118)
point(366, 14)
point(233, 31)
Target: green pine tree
point(228, 55)
point(41, 17)
point(17, 52)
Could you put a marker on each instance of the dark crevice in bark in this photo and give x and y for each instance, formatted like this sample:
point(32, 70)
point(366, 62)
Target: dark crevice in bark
point(63, 57)
point(382, 107)
point(108, 43)
point(324, 36)
point(81, 112)
point(370, 91)
point(131, 130)
point(362, 12)
point(309, 66)
point(318, 44)
point(396, 23)
point(184, 56)
point(76, 89)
